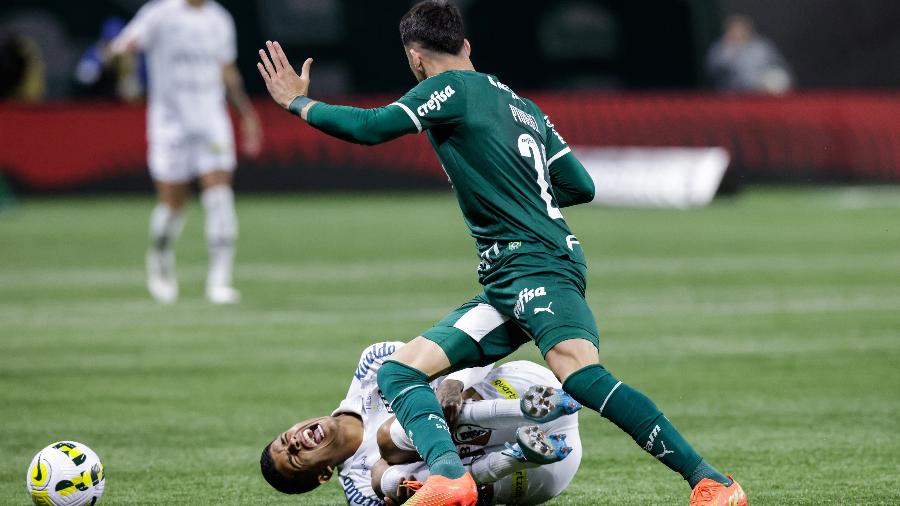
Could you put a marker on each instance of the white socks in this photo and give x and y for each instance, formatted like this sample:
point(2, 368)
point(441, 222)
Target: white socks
point(221, 233)
point(394, 475)
point(496, 466)
point(165, 226)
point(495, 414)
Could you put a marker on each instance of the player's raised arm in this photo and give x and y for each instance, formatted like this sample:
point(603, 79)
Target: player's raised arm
point(426, 105)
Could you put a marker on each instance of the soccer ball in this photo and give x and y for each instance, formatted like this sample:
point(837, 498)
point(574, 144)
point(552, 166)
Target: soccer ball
point(65, 474)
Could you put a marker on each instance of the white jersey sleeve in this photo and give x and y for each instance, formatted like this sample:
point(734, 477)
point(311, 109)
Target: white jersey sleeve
point(365, 377)
point(229, 47)
point(139, 32)
point(472, 376)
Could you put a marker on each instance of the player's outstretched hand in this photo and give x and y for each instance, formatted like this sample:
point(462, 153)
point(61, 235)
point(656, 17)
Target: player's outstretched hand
point(281, 80)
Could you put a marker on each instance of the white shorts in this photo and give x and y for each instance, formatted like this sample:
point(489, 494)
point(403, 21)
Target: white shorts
point(176, 155)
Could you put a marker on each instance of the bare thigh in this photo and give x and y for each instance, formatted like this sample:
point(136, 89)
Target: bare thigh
point(215, 178)
point(424, 355)
point(174, 195)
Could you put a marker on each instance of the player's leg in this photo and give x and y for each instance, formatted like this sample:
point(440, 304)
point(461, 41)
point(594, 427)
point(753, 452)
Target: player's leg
point(481, 422)
point(403, 381)
point(451, 344)
point(215, 161)
point(575, 362)
point(168, 168)
point(538, 484)
point(221, 229)
point(546, 297)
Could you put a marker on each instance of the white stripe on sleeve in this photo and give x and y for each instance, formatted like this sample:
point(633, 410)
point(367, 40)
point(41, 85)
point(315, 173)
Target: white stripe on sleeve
point(410, 114)
point(555, 157)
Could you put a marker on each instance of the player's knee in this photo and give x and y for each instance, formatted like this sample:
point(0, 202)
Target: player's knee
point(385, 444)
point(393, 377)
point(571, 355)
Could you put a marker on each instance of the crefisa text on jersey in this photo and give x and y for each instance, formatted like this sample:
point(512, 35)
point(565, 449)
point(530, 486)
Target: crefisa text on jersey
point(437, 98)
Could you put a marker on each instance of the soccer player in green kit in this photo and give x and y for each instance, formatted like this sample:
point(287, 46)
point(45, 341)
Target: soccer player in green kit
point(512, 173)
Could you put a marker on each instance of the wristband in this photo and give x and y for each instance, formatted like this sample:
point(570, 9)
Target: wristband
point(298, 104)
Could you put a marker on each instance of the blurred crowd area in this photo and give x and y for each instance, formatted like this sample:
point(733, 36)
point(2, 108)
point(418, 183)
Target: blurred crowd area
point(55, 49)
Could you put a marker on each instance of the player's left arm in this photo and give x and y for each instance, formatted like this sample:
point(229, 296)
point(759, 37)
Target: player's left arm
point(352, 124)
point(251, 130)
point(570, 180)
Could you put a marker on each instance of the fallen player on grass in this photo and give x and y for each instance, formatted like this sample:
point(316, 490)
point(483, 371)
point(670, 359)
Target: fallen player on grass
point(514, 425)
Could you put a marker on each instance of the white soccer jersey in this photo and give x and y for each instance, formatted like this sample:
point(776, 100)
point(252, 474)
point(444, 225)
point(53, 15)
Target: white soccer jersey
point(505, 382)
point(188, 127)
point(186, 48)
point(364, 399)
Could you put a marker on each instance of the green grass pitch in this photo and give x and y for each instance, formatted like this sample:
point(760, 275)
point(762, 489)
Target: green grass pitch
point(767, 328)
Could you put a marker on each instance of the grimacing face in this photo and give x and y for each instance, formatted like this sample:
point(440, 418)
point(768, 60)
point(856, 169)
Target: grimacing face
point(310, 447)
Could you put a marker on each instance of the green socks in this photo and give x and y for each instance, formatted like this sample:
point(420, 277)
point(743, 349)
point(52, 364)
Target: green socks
point(634, 413)
point(420, 414)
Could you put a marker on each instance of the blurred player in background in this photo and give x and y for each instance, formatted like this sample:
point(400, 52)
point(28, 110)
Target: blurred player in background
point(512, 172)
point(743, 61)
point(190, 47)
point(375, 458)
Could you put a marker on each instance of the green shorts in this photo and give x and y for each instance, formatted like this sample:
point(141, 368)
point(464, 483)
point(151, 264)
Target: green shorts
point(527, 296)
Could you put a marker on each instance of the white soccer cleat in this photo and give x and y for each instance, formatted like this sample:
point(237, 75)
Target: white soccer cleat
point(161, 281)
point(222, 294)
point(536, 446)
point(544, 404)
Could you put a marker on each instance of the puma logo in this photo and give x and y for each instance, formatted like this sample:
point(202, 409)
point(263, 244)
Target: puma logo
point(544, 309)
point(664, 452)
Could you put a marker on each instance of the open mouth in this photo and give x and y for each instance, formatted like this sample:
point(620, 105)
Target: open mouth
point(312, 436)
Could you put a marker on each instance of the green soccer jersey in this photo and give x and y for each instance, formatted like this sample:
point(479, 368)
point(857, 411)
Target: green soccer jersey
point(511, 170)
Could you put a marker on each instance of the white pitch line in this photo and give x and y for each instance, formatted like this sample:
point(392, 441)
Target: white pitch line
point(784, 306)
point(442, 269)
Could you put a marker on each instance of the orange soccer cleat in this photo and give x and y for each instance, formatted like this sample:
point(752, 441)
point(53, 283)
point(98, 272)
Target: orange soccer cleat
point(713, 493)
point(442, 491)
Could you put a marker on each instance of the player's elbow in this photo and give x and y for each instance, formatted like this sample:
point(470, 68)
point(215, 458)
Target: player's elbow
point(365, 136)
point(584, 190)
point(588, 189)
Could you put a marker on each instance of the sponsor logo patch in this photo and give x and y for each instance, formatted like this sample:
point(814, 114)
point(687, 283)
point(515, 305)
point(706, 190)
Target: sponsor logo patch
point(526, 296)
point(434, 102)
point(505, 388)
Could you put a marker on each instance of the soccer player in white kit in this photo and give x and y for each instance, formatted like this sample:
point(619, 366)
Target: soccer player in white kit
point(191, 48)
point(355, 437)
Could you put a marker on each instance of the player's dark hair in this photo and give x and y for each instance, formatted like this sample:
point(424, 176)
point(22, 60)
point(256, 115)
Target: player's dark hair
point(299, 484)
point(435, 25)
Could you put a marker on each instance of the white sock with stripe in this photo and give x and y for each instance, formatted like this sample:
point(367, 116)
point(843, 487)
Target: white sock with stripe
point(221, 233)
point(165, 226)
point(496, 466)
point(494, 414)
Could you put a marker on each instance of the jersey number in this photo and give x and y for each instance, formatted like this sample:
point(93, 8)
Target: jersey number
point(528, 148)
